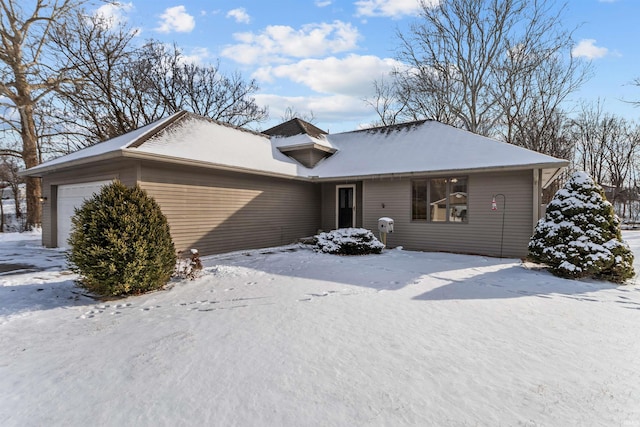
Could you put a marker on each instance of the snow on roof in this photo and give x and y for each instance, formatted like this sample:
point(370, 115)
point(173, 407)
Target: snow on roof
point(203, 140)
point(300, 139)
point(426, 146)
point(109, 146)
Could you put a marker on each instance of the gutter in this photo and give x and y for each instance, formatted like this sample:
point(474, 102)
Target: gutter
point(558, 165)
point(136, 154)
point(38, 171)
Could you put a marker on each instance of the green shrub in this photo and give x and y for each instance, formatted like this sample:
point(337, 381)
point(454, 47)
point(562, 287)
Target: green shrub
point(348, 241)
point(580, 235)
point(120, 243)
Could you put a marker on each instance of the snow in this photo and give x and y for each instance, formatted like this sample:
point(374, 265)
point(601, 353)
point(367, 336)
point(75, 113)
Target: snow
point(288, 336)
point(336, 241)
point(427, 146)
point(205, 141)
point(110, 146)
point(424, 147)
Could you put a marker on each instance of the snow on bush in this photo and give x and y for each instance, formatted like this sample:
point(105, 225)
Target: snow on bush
point(348, 241)
point(120, 243)
point(580, 234)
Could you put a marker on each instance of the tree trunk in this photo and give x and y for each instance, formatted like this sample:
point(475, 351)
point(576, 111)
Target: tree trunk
point(31, 159)
point(1, 214)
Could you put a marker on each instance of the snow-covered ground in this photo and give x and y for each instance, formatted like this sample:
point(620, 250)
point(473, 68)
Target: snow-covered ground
point(290, 337)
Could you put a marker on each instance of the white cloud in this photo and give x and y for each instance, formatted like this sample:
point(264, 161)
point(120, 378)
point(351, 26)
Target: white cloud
point(277, 42)
point(176, 19)
point(114, 13)
point(240, 15)
point(323, 3)
point(333, 108)
point(391, 8)
point(351, 76)
point(587, 49)
point(197, 55)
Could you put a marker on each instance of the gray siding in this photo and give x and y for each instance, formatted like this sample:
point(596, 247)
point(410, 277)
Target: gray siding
point(308, 157)
point(124, 170)
point(222, 211)
point(328, 214)
point(480, 235)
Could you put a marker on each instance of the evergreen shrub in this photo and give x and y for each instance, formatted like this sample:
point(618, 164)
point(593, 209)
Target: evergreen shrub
point(348, 241)
point(120, 243)
point(580, 234)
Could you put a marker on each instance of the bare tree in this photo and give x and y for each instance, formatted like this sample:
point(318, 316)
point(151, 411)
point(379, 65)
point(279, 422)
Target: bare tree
point(386, 102)
point(470, 63)
point(26, 77)
point(291, 113)
point(532, 101)
point(165, 74)
point(607, 146)
point(102, 102)
point(9, 178)
point(122, 86)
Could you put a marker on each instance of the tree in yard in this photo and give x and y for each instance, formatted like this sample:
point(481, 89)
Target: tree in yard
point(291, 113)
point(580, 234)
point(488, 66)
point(102, 101)
point(9, 178)
point(26, 78)
point(387, 102)
point(121, 86)
point(181, 84)
point(607, 146)
point(120, 243)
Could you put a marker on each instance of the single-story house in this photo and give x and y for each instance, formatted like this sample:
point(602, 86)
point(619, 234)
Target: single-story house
point(224, 188)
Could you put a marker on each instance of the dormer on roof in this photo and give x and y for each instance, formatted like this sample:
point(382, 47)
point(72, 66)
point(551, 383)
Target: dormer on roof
point(304, 142)
point(295, 127)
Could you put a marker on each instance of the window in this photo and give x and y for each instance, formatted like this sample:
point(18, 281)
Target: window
point(439, 199)
point(419, 204)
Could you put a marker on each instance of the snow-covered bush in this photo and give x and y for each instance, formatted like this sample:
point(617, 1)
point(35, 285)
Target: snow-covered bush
point(348, 241)
point(580, 234)
point(120, 243)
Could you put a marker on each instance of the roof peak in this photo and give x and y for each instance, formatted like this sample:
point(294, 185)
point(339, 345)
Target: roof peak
point(294, 127)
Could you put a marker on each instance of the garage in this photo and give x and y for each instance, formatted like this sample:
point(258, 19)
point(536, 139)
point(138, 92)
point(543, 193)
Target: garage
point(71, 196)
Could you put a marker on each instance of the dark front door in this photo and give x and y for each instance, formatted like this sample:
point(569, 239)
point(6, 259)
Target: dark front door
point(345, 207)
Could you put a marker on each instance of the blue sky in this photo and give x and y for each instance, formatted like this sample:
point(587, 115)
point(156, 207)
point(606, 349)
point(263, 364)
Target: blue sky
point(323, 55)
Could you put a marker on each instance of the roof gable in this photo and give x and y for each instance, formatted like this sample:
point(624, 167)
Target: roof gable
point(423, 147)
point(294, 127)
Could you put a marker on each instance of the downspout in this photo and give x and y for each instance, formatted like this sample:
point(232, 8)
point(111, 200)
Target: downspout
point(537, 193)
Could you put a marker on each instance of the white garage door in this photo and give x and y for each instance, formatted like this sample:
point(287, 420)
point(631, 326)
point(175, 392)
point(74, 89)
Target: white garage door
point(70, 197)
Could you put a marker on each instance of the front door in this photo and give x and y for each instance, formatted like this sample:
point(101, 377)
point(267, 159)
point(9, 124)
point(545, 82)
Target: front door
point(346, 206)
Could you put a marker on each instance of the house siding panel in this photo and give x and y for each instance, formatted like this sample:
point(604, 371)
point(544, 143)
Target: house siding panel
point(124, 170)
point(328, 221)
point(480, 235)
point(223, 211)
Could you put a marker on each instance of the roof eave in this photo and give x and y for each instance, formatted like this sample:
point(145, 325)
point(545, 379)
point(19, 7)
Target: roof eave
point(557, 166)
point(305, 146)
point(40, 171)
point(141, 155)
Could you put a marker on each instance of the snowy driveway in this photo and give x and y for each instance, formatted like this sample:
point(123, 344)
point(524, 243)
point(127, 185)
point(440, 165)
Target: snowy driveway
point(290, 337)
